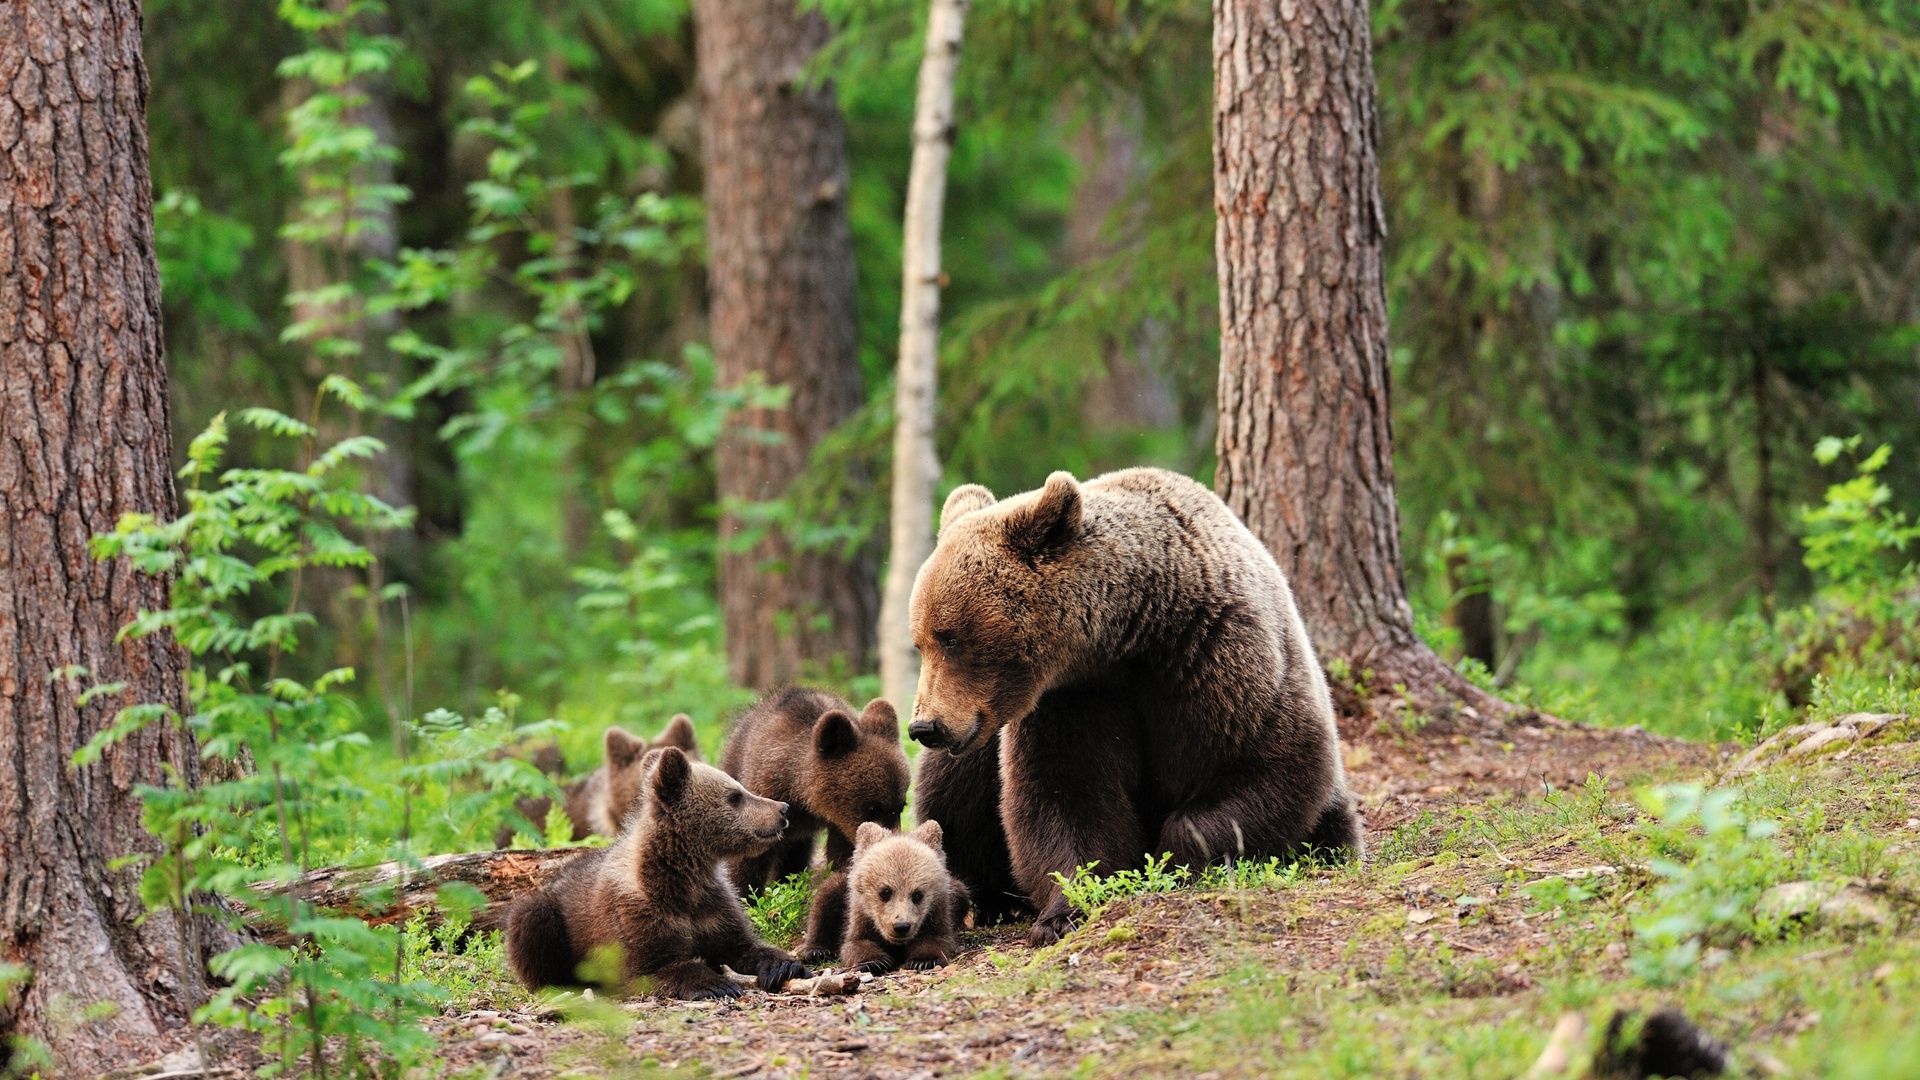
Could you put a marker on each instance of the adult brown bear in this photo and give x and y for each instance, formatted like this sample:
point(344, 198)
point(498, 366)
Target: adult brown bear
point(1136, 654)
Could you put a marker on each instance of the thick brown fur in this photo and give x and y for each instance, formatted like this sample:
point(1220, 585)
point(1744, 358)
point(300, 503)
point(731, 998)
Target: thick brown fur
point(597, 803)
point(1138, 653)
point(806, 748)
point(902, 906)
point(658, 893)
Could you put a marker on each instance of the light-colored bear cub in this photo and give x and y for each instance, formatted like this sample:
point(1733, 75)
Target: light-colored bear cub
point(902, 905)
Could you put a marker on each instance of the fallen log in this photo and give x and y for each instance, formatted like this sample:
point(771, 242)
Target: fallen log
point(394, 892)
point(831, 983)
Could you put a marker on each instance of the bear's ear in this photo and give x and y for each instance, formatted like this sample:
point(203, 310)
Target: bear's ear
point(878, 718)
point(962, 501)
point(1050, 522)
point(623, 749)
point(833, 734)
point(869, 834)
point(928, 833)
point(671, 773)
point(678, 732)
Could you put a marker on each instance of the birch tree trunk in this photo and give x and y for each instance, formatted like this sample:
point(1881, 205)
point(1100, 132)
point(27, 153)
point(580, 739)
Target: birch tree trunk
point(916, 463)
point(780, 269)
point(84, 438)
point(1306, 432)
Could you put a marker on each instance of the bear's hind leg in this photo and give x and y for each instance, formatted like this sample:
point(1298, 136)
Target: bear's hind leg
point(1254, 823)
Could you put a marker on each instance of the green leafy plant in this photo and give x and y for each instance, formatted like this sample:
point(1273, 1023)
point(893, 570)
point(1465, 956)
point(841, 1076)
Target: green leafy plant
point(1713, 863)
point(779, 911)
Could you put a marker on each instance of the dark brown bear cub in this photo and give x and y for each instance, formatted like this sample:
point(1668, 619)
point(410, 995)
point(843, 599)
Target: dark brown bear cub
point(902, 906)
point(804, 747)
point(598, 803)
point(657, 893)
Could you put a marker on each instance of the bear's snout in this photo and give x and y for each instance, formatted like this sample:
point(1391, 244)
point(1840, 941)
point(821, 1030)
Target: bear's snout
point(927, 733)
point(901, 928)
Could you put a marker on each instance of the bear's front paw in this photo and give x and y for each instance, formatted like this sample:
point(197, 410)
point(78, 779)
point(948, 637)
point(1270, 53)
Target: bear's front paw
point(879, 965)
point(716, 992)
point(818, 954)
point(777, 973)
point(924, 963)
point(1050, 928)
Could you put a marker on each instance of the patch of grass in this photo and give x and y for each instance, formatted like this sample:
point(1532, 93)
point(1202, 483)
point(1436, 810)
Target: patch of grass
point(779, 911)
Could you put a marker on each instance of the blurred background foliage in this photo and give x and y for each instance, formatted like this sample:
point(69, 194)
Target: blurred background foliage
point(1644, 255)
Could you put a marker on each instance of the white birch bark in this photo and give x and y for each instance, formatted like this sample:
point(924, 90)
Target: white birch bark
point(916, 467)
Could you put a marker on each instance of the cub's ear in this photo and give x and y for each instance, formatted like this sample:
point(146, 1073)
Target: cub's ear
point(962, 501)
point(928, 833)
point(878, 718)
point(869, 834)
point(833, 734)
point(1050, 522)
point(671, 772)
point(678, 732)
point(623, 749)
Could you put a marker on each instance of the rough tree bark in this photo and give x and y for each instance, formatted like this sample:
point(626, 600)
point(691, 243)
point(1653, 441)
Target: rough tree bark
point(916, 463)
point(83, 440)
point(1306, 436)
point(781, 276)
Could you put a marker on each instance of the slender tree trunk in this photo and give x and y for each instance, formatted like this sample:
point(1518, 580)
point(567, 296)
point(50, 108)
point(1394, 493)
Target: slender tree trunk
point(1766, 570)
point(780, 268)
point(916, 463)
point(1306, 435)
point(83, 440)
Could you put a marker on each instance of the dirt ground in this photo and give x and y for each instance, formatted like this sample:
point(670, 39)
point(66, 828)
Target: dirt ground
point(1150, 953)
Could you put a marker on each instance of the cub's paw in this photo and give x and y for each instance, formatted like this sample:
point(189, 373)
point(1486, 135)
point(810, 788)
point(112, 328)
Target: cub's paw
point(817, 954)
point(879, 965)
point(924, 963)
point(776, 973)
point(1048, 929)
point(716, 992)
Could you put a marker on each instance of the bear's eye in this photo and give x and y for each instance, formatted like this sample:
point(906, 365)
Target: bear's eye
point(886, 893)
point(918, 897)
point(948, 639)
point(736, 799)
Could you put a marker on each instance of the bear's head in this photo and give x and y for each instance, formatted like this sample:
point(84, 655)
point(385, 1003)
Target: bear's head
point(706, 810)
point(897, 879)
point(626, 776)
point(986, 612)
point(857, 772)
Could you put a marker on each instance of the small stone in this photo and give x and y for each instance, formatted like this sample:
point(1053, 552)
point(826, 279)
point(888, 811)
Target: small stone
point(1419, 915)
point(1791, 900)
point(1616, 950)
point(1854, 907)
point(1882, 973)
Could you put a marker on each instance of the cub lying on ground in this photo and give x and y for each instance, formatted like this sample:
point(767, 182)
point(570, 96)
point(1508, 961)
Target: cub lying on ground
point(598, 802)
point(805, 747)
point(902, 906)
point(657, 893)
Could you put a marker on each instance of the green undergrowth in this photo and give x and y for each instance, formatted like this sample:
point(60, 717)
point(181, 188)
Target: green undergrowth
point(1472, 930)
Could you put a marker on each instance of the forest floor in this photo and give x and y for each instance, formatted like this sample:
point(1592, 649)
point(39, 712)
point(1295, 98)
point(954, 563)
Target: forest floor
point(1443, 955)
point(1509, 867)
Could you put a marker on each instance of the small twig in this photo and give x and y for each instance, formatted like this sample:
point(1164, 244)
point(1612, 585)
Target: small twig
point(1567, 1036)
point(827, 984)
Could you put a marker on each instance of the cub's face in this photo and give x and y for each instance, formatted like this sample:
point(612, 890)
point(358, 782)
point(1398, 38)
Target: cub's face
point(626, 775)
point(986, 609)
point(709, 808)
point(897, 879)
point(858, 772)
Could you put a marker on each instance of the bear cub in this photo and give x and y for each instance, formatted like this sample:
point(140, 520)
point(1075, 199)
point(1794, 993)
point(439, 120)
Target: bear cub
point(598, 803)
point(804, 747)
point(902, 906)
point(657, 892)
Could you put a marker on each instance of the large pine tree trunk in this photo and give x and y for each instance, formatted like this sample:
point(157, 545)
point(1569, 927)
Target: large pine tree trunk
point(780, 268)
point(83, 440)
point(1306, 434)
